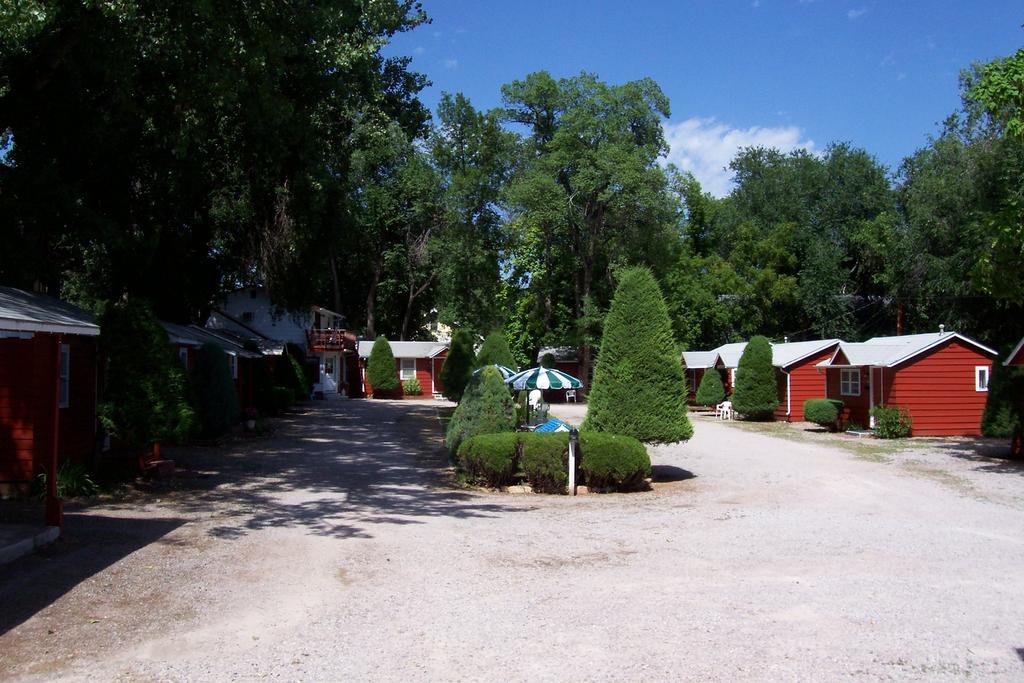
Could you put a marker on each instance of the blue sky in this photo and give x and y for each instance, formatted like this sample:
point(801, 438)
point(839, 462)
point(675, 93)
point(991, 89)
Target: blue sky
point(786, 73)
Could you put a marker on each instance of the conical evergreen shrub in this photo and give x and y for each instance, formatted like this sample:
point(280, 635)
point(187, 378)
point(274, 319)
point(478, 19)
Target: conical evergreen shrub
point(639, 389)
point(495, 351)
point(1001, 417)
point(380, 368)
point(756, 394)
point(711, 391)
point(486, 408)
point(458, 366)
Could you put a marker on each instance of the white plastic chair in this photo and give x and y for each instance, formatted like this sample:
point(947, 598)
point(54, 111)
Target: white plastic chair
point(535, 398)
point(570, 394)
point(723, 411)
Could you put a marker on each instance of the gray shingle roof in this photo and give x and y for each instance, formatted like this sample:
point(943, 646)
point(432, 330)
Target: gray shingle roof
point(33, 312)
point(783, 355)
point(891, 351)
point(699, 359)
point(406, 349)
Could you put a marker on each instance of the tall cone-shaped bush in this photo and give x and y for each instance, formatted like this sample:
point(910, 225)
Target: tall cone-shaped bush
point(458, 366)
point(756, 394)
point(380, 368)
point(639, 389)
point(495, 351)
point(711, 390)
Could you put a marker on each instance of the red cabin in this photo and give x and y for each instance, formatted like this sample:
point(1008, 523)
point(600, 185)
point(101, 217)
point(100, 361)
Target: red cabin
point(413, 360)
point(48, 370)
point(940, 378)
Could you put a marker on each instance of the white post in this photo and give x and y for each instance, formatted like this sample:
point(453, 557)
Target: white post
point(871, 397)
point(574, 438)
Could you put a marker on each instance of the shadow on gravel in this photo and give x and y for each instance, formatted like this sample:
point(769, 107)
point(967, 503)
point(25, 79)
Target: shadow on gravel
point(662, 474)
point(90, 543)
point(992, 455)
point(336, 468)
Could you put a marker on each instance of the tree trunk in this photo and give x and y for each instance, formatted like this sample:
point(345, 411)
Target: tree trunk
point(371, 300)
point(335, 283)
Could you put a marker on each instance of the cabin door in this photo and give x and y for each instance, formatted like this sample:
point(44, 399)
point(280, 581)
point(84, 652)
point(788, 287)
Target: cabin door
point(329, 373)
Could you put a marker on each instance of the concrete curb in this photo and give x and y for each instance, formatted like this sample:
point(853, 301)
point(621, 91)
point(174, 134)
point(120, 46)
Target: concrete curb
point(18, 549)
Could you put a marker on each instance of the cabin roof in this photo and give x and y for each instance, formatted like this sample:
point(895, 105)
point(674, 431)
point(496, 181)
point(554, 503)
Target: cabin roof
point(700, 359)
point(783, 355)
point(406, 349)
point(34, 312)
point(888, 352)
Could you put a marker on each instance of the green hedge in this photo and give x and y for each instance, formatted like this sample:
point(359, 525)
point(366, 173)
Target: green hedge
point(892, 422)
point(544, 459)
point(824, 411)
point(491, 458)
point(613, 462)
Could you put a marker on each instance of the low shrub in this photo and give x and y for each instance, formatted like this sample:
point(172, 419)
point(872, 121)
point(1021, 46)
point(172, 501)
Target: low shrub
point(544, 459)
point(283, 399)
point(412, 387)
point(1002, 415)
point(73, 480)
point(612, 462)
point(490, 458)
point(891, 422)
point(824, 411)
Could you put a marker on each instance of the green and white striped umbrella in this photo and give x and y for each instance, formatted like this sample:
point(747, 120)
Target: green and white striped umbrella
point(543, 378)
point(505, 372)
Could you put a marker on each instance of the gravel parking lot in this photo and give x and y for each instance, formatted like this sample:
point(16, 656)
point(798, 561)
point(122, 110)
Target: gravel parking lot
point(336, 550)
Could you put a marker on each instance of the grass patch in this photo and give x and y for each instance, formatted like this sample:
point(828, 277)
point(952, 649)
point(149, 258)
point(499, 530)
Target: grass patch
point(868, 449)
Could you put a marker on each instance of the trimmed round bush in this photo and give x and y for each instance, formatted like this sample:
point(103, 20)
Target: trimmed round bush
point(495, 351)
point(216, 400)
point(824, 411)
point(143, 397)
point(639, 389)
point(490, 458)
point(381, 370)
point(486, 408)
point(612, 462)
point(711, 391)
point(547, 360)
point(892, 422)
point(458, 365)
point(756, 394)
point(544, 459)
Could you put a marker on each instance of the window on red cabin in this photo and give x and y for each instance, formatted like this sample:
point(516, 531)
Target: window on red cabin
point(408, 368)
point(849, 382)
point(981, 377)
point(65, 375)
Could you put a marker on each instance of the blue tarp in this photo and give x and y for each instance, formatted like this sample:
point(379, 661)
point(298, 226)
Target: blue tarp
point(553, 425)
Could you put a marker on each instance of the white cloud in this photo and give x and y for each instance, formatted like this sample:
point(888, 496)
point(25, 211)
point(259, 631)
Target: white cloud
point(418, 50)
point(704, 147)
point(451, 63)
point(856, 13)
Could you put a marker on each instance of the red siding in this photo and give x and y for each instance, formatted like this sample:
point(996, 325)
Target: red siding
point(27, 378)
point(423, 374)
point(855, 408)
point(805, 382)
point(938, 389)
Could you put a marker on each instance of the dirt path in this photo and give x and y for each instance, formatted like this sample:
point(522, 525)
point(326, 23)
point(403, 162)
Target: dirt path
point(334, 552)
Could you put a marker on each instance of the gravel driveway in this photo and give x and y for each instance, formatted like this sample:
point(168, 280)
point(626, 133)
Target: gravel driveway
point(336, 551)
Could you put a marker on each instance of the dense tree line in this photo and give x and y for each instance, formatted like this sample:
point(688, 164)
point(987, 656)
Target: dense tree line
point(175, 152)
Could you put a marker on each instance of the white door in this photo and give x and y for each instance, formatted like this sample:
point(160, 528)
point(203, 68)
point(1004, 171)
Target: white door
point(329, 373)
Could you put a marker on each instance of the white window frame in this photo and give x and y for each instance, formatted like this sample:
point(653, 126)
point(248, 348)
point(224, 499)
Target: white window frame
point(183, 356)
point(848, 379)
point(65, 376)
point(978, 369)
point(233, 364)
point(402, 371)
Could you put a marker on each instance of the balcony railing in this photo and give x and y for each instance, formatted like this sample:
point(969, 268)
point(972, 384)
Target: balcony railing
point(330, 340)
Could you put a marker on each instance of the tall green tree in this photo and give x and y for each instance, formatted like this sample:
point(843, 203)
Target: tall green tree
point(639, 389)
point(588, 196)
point(458, 365)
point(381, 369)
point(495, 350)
